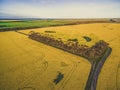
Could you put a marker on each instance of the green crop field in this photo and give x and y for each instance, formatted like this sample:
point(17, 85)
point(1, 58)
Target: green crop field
point(23, 24)
point(7, 25)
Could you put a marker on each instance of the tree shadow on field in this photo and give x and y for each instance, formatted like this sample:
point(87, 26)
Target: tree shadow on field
point(59, 77)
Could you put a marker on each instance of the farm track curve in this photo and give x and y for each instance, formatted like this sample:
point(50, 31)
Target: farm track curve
point(67, 76)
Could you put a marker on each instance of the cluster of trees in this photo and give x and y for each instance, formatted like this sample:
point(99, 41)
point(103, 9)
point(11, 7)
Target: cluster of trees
point(91, 53)
point(88, 39)
point(50, 32)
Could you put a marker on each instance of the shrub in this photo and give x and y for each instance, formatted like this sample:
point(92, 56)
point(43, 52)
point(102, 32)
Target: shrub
point(88, 39)
point(50, 32)
point(74, 40)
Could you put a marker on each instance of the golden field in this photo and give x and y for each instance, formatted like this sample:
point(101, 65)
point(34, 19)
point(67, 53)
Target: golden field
point(109, 78)
point(27, 64)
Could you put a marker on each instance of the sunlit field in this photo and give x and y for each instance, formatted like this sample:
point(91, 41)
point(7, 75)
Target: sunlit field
point(26, 64)
point(109, 78)
point(59, 44)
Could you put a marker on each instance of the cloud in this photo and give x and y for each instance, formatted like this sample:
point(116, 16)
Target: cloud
point(60, 9)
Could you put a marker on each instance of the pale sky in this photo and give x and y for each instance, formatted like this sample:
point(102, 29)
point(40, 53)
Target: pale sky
point(60, 8)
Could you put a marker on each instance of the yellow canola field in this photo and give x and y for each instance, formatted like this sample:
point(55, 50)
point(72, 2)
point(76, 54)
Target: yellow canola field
point(109, 78)
point(29, 65)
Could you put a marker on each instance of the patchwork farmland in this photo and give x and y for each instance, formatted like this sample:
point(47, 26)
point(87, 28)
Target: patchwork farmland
point(27, 64)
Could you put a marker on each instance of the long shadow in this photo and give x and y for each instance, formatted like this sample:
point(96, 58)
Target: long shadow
point(95, 71)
